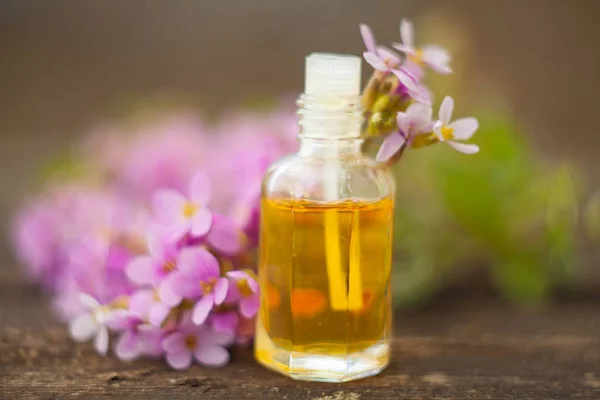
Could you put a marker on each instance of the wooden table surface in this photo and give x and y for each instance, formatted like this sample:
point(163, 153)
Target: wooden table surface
point(465, 345)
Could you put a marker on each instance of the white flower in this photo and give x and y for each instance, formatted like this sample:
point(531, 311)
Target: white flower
point(461, 129)
point(91, 323)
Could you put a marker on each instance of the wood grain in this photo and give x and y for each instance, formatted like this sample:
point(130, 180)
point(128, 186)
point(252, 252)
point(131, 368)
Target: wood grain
point(465, 347)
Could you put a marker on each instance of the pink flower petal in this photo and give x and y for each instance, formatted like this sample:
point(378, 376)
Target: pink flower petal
point(140, 301)
point(249, 306)
point(422, 94)
point(169, 292)
point(390, 146)
point(180, 361)
point(101, 341)
point(168, 205)
point(414, 70)
point(202, 308)
point(233, 294)
point(238, 275)
point(464, 148)
point(464, 128)
point(368, 38)
point(206, 265)
point(184, 284)
point(155, 240)
point(404, 48)
point(201, 222)
point(437, 58)
point(220, 290)
point(440, 69)
point(219, 338)
point(407, 32)
point(200, 189)
point(388, 56)
point(420, 116)
point(253, 285)
point(141, 270)
point(174, 343)
point(406, 80)
point(212, 356)
point(375, 62)
point(151, 342)
point(83, 327)
point(224, 235)
point(225, 322)
point(158, 313)
point(446, 110)
point(127, 348)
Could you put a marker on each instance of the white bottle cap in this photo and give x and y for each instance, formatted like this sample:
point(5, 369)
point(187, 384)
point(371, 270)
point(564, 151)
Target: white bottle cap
point(329, 74)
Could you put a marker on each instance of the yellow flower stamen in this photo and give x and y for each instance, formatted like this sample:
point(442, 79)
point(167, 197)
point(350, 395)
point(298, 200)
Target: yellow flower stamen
point(244, 288)
point(417, 58)
point(191, 342)
point(169, 266)
point(190, 209)
point(208, 286)
point(447, 132)
point(119, 302)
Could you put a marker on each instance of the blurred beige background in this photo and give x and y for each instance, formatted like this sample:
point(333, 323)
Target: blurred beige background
point(67, 64)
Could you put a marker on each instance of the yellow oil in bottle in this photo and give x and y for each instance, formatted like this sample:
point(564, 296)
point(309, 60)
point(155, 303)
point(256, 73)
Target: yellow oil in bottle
point(325, 292)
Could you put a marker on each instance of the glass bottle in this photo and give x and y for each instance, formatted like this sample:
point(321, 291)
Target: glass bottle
point(326, 240)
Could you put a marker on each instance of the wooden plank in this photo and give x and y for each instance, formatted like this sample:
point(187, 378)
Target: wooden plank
point(466, 345)
point(47, 364)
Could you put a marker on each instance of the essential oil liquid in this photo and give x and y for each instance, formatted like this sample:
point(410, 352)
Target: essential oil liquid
point(325, 294)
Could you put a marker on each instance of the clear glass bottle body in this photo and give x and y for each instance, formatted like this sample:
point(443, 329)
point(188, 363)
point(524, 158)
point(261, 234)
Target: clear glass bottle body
point(325, 253)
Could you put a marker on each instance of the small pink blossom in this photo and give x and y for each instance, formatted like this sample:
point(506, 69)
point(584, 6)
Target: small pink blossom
point(198, 277)
point(137, 337)
point(224, 321)
point(246, 291)
point(200, 343)
point(435, 57)
point(416, 120)
point(461, 129)
point(225, 236)
point(152, 268)
point(182, 214)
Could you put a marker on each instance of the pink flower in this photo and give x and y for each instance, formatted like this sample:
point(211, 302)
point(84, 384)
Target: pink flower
point(416, 120)
point(35, 238)
point(154, 267)
point(225, 321)
point(201, 343)
point(225, 236)
point(246, 291)
point(379, 57)
point(136, 337)
point(461, 129)
point(198, 277)
point(181, 214)
point(435, 57)
point(163, 154)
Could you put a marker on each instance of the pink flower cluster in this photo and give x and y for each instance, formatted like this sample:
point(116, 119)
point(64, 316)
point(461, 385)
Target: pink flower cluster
point(154, 247)
point(406, 100)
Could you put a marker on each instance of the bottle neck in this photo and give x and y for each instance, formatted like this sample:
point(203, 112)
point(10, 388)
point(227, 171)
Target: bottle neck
point(337, 148)
point(330, 118)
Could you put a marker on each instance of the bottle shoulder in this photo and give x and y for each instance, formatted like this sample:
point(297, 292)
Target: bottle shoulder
point(355, 178)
